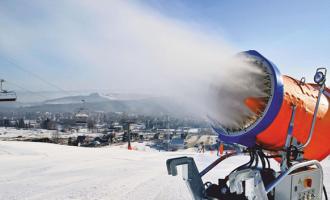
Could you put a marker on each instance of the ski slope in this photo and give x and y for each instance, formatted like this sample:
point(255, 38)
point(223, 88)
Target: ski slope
point(48, 171)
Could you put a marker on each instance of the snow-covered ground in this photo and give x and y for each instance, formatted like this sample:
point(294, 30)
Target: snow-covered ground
point(15, 134)
point(48, 171)
point(9, 133)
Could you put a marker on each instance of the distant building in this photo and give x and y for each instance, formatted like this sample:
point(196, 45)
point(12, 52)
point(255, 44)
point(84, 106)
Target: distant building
point(137, 127)
point(32, 123)
point(193, 130)
point(81, 118)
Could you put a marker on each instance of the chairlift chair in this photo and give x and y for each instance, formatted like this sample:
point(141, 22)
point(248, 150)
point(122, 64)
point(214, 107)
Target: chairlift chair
point(6, 95)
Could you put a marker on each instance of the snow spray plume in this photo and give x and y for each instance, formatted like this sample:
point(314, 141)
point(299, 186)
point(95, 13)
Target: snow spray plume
point(126, 47)
point(172, 59)
point(229, 95)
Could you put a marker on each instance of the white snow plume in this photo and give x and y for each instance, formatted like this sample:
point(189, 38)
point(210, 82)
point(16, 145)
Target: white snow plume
point(128, 47)
point(174, 59)
point(224, 101)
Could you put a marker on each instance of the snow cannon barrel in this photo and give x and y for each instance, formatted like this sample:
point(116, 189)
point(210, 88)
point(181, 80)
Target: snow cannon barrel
point(270, 115)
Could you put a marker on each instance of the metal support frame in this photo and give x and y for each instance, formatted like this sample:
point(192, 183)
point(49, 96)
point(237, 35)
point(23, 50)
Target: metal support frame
point(311, 131)
point(190, 175)
point(257, 190)
point(321, 91)
point(284, 165)
point(291, 124)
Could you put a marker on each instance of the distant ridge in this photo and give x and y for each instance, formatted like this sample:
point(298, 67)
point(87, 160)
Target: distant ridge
point(95, 102)
point(92, 98)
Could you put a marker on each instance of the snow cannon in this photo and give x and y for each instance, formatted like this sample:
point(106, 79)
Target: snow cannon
point(289, 121)
point(289, 109)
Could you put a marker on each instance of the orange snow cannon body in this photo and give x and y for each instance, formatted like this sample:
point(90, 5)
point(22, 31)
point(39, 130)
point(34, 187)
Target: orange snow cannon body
point(288, 110)
point(304, 97)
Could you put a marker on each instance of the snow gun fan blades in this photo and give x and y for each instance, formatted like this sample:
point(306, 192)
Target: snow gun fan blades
point(268, 113)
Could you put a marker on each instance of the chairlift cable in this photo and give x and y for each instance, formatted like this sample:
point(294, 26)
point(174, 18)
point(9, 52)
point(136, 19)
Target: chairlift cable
point(34, 75)
point(27, 90)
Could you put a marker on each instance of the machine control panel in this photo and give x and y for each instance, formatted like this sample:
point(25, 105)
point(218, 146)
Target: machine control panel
point(302, 185)
point(309, 194)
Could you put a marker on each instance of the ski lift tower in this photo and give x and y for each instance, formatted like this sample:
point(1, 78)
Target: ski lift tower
point(5, 95)
point(129, 122)
point(81, 117)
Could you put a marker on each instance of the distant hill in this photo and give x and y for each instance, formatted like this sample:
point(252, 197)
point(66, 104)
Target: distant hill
point(96, 102)
point(92, 98)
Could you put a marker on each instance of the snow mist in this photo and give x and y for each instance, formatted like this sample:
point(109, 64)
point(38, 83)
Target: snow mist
point(124, 46)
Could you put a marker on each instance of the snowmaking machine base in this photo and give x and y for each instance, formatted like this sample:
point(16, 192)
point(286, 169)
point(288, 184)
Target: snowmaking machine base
point(301, 181)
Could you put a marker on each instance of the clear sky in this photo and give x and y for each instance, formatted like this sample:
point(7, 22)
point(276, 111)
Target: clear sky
point(294, 34)
point(79, 45)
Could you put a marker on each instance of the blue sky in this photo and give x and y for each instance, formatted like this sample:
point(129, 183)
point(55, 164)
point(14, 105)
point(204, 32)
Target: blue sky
point(91, 45)
point(294, 34)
